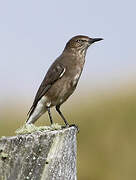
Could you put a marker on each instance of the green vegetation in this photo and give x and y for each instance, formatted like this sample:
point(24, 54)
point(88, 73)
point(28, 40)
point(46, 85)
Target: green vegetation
point(29, 128)
point(107, 138)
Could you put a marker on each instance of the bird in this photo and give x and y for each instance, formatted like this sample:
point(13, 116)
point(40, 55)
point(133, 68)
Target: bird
point(61, 79)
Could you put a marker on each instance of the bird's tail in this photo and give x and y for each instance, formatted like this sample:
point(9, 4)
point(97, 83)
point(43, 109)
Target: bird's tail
point(35, 114)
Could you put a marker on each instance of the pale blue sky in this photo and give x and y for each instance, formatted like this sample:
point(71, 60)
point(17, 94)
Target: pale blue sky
point(33, 33)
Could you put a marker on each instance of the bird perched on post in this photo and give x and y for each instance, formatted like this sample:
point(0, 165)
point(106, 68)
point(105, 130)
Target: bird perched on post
point(61, 78)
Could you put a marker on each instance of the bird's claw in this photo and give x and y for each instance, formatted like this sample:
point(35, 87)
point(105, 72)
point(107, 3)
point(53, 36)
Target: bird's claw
point(71, 125)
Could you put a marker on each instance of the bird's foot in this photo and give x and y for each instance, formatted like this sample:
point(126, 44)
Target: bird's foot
point(71, 125)
point(74, 125)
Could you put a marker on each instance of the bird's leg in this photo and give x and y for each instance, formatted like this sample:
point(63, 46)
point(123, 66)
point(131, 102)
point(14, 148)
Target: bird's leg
point(50, 116)
point(60, 113)
point(65, 121)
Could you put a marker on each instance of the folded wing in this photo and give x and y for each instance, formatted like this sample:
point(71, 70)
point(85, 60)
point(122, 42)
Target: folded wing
point(54, 73)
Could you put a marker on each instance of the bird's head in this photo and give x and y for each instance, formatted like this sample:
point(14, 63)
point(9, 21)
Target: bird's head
point(81, 43)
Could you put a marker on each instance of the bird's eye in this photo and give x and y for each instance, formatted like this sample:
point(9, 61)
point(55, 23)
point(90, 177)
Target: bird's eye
point(79, 40)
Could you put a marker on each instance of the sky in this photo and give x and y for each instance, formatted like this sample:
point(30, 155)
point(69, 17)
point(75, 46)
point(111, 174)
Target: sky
point(34, 33)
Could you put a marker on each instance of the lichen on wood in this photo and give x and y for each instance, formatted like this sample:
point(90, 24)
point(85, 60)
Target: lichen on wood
point(41, 155)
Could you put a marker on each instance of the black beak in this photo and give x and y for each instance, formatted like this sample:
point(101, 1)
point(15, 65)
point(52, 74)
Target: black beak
point(92, 40)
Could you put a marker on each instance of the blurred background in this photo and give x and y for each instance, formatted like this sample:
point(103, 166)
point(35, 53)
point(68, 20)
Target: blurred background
point(32, 34)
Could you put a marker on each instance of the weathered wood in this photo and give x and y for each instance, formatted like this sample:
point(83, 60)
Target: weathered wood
point(47, 155)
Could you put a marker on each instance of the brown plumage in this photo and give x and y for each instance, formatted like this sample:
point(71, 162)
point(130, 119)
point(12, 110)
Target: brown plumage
point(61, 78)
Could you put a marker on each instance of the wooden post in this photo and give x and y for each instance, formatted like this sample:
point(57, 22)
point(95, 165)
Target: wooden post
point(47, 155)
